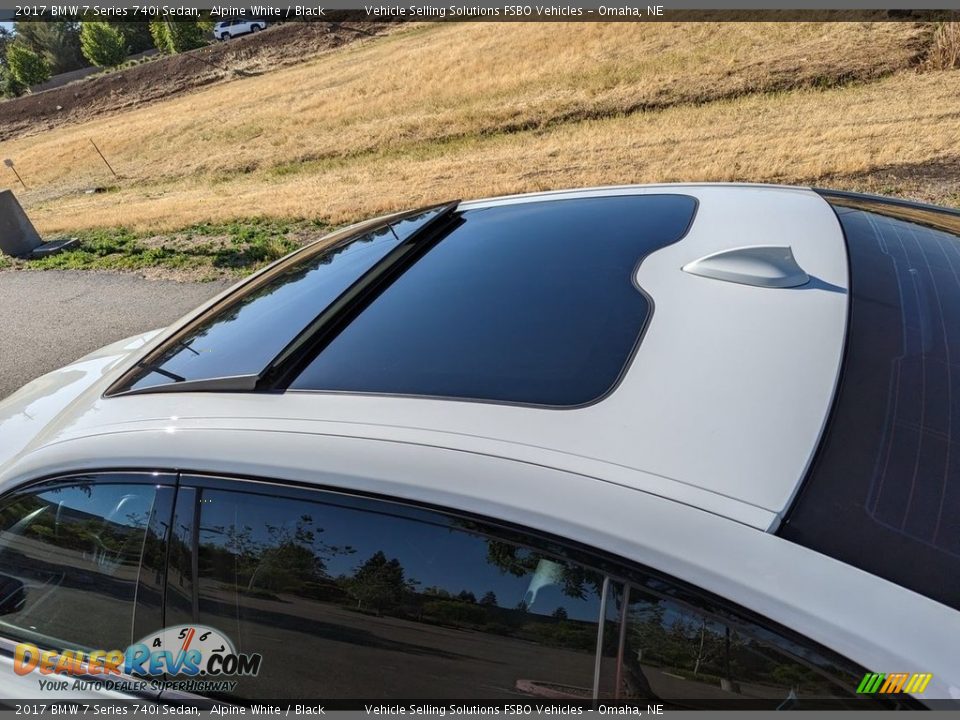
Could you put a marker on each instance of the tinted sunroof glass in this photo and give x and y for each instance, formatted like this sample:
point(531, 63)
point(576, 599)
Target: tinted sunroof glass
point(527, 303)
point(244, 336)
point(884, 491)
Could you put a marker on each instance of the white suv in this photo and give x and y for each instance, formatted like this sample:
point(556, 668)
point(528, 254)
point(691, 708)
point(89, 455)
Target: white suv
point(231, 28)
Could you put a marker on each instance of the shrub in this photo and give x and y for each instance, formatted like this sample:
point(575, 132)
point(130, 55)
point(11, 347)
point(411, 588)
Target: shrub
point(26, 66)
point(136, 35)
point(57, 42)
point(175, 37)
point(454, 612)
point(185, 36)
point(102, 44)
point(161, 38)
point(9, 86)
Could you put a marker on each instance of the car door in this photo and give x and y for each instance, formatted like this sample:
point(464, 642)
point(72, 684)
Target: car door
point(81, 571)
point(344, 596)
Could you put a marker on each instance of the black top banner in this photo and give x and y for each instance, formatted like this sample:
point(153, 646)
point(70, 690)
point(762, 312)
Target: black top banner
point(473, 10)
point(443, 708)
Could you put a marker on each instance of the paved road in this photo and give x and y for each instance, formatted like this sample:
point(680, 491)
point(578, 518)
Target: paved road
point(48, 319)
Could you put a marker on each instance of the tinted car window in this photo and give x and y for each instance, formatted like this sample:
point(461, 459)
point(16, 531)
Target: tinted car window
point(696, 654)
point(527, 303)
point(69, 561)
point(348, 598)
point(884, 491)
point(245, 334)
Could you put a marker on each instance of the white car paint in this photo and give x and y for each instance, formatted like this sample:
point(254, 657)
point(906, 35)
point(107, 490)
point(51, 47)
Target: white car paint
point(708, 393)
point(684, 467)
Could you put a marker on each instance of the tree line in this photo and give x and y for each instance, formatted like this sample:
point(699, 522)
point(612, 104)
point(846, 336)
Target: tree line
point(33, 52)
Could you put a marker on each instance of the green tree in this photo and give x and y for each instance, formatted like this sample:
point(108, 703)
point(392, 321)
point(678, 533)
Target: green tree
point(136, 35)
point(9, 85)
point(102, 44)
point(489, 599)
point(185, 36)
point(6, 37)
point(176, 37)
point(27, 66)
point(58, 43)
point(161, 38)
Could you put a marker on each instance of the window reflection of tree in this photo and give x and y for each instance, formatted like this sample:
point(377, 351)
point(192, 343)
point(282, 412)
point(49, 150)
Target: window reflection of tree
point(53, 523)
point(707, 647)
point(510, 555)
point(380, 584)
point(293, 559)
point(70, 558)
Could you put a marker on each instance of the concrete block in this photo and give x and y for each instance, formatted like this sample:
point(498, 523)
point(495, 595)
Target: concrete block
point(18, 237)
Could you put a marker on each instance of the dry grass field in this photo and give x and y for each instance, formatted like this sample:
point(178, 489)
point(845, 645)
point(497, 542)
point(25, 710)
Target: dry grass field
point(438, 111)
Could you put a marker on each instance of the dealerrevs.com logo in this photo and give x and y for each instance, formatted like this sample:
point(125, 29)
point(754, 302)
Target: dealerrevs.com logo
point(200, 657)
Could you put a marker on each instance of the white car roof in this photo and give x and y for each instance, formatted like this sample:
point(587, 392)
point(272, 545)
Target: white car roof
point(721, 407)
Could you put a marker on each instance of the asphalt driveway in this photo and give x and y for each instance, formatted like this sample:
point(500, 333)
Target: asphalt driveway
point(48, 319)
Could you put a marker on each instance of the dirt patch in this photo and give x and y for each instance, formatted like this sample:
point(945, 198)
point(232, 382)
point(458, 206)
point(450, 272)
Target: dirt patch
point(276, 47)
point(936, 182)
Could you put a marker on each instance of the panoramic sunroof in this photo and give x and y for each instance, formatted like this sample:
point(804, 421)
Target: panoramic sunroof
point(529, 303)
point(532, 303)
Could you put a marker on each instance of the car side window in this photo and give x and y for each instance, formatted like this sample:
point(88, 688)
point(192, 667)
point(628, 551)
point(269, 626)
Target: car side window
point(351, 597)
point(70, 556)
point(689, 651)
point(348, 598)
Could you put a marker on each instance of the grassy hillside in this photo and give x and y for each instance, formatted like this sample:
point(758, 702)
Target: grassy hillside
point(466, 110)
